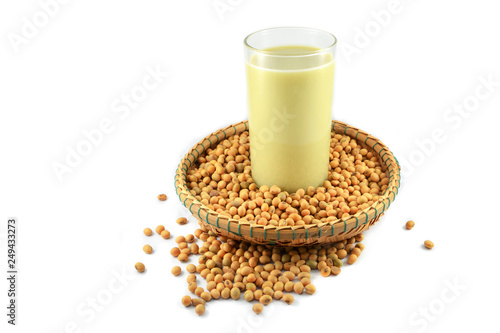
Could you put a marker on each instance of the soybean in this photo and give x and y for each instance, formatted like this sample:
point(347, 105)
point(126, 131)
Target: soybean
point(175, 251)
point(148, 249)
point(197, 301)
point(257, 308)
point(159, 229)
point(192, 286)
point(288, 299)
point(226, 293)
point(200, 309)
point(326, 271)
point(140, 267)
point(248, 295)
point(186, 301)
point(206, 296)
point(265, 299)
point(310, 289)
point(235, 293)
point(176, 270)
point(298, 288)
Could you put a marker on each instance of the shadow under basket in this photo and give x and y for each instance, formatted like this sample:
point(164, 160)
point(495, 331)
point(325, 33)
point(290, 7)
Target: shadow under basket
point(311, 234)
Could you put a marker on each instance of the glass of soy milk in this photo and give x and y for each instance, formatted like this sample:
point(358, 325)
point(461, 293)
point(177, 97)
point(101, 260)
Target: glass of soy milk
point(290, 75)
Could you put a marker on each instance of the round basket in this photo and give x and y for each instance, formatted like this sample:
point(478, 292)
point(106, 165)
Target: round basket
point(312, 234)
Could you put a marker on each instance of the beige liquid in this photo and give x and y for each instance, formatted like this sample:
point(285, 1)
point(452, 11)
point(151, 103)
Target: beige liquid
point(290, 103)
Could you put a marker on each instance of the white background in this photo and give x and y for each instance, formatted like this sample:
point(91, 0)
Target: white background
point(75, 234)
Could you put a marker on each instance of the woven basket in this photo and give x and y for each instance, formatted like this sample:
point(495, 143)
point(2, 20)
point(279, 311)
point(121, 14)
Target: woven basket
point(312, 234)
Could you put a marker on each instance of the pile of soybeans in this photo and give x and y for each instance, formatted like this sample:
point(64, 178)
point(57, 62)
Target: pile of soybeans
point(259, 273)
point(221, 180)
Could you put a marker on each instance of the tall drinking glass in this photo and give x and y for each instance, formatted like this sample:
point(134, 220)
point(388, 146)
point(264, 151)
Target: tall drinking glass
point(290, 75)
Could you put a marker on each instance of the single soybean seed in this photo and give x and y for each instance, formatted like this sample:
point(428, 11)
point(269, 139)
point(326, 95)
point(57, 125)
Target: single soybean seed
point(198, 291)
point(148, 232)
point(226, 293)
point(162, 197)
point(279, 286)
point(359, 237)
point(175, 251)
point(183, 257)
point(289, 275)
point(159, 229)
point(337, 263)
point(176, 270)
point(429, 244)
point(251, 286)
point(248, 295)
point(349, 248)
point(336, 270)
point(191, 268)
point(356, 251)
point(235, 293)
point(313, 264)
point(148, 249)
point(326, 271)
point(165, 234)
point(140, 267)
point(342, 254)
point(211, 285)
point(268, 291)
point(257, 308)
point(352, 259)
point(186, 300)
point(410, 225)
point(200, 309)
point(288, 299)
point(215, 293)
point(197, 301)
point(265, 299)
point(191, 278)
point(298, 288)
point(192, 286)
point(239, 285)
point(310, 289)
point(305, 268)
point(206, 296)
point(305, 281)
point(246, 270)
point(181, 220)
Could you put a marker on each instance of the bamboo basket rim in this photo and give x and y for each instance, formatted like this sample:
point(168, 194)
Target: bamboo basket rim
point(328, 231)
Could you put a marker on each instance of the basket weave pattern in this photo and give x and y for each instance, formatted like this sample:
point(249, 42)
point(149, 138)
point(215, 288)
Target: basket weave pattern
point(311, 234)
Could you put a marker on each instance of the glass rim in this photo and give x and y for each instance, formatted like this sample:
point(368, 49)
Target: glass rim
point(271, 53)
